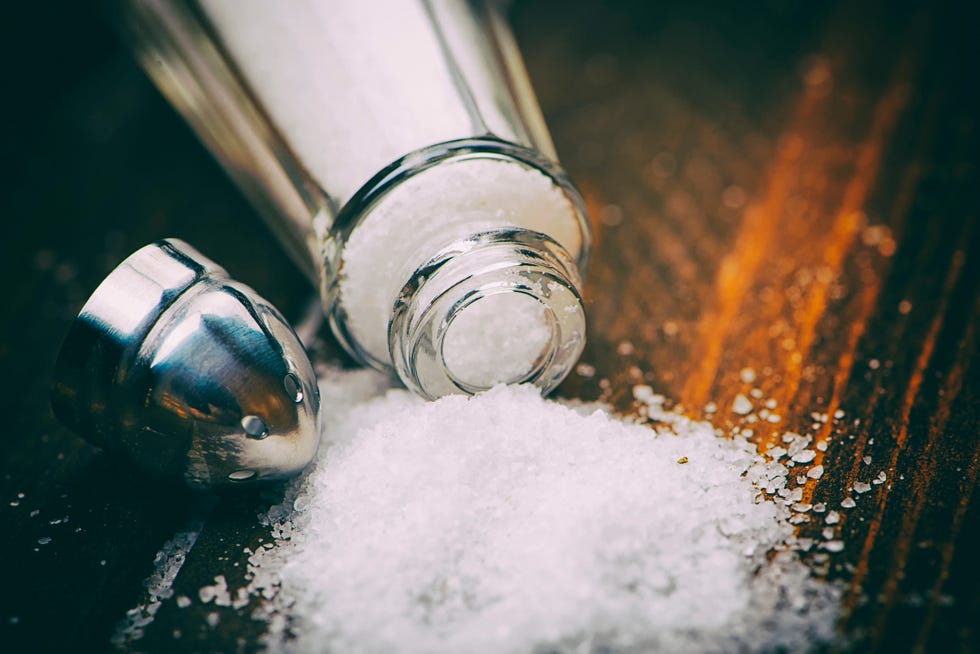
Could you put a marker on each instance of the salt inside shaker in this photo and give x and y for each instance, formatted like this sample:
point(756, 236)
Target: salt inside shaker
point(398, 152)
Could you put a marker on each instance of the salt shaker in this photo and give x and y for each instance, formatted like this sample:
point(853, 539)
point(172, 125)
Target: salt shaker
point(398, 152)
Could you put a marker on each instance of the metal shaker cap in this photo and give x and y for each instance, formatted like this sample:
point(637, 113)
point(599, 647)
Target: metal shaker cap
point(188, 374)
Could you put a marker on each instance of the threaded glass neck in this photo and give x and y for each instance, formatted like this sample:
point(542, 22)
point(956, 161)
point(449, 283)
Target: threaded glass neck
point(499, 307)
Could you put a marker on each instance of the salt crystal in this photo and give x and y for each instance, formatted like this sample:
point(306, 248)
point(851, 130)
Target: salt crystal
point(866, 460)
point(183, 601)
point(860, 487)
point(880, 479)
point(804, 456)
point(848, 503)
point(834, 546)
point(43, 540)
point(747, 375)
point(816, 472)
point(819, 507)
point(838, 414)
point(828, 533)
point(642, 393)
point(832, 518)
point(797, 442)
point(741, 406)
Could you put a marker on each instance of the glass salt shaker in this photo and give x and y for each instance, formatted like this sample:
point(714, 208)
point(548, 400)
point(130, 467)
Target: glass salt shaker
point(397, 150)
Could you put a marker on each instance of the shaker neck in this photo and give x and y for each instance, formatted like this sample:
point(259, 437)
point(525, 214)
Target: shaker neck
point(498, 307)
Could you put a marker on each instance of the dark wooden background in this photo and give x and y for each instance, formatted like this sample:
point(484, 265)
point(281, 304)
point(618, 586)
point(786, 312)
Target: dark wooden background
point(786, 186)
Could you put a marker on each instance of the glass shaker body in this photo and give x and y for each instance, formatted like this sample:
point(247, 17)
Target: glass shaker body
point(397, 150)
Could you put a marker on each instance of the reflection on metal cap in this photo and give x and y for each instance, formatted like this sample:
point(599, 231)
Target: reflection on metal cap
point(188, 374)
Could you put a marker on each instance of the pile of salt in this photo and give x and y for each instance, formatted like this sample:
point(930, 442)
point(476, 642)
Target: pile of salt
point(509, 523)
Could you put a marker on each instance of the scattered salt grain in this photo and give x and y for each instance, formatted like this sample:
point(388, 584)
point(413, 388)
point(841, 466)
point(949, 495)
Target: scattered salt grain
point(860, 487)
point(183, 601)
point(834, 546)
point(832, 518)
point(848, 503)
point(159, 585)
point(217, 593)
point(747, 375)
point(804, 456)
point(509, 523)
point(816, 472)
point(643, 393)
point(741, 405)
point(625, 348)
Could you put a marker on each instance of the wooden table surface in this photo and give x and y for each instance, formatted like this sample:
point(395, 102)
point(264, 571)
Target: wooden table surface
point(785, 187)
